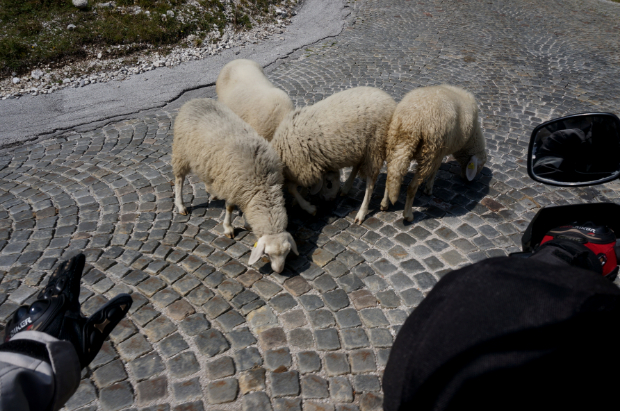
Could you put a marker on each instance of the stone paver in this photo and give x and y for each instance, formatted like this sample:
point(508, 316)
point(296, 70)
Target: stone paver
point(206, 331)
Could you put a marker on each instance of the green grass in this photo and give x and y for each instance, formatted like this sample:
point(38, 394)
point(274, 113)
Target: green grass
point(34, 32)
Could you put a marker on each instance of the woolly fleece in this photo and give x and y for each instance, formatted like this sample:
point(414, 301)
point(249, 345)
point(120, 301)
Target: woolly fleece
point(243, 87)
point(347, 129)
point(429, 124)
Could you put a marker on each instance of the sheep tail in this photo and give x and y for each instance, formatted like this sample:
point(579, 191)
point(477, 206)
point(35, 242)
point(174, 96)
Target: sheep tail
point(399, 159)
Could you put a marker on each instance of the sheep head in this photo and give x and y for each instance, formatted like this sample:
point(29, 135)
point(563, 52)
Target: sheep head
point(331, 185)
point(471, 164)
point(277, 247)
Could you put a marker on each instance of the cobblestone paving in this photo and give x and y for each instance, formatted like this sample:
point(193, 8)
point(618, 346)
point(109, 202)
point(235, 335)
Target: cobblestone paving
point(207, 332)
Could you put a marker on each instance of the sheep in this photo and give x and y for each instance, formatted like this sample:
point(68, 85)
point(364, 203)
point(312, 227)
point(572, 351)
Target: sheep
point(243, 87)
point(429, 124)
point(347, 129)
point(238, 166)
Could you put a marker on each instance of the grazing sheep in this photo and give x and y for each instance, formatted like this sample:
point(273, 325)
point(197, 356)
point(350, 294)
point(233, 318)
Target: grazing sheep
point(347, 129)
point(429, 124)
point(243, 87)
point(331, 185)
point(236, 165)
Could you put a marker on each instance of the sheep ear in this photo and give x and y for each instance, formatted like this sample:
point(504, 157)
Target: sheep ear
point(472, 168)
point(292, 243)
point(317, 187)
point(257, 251)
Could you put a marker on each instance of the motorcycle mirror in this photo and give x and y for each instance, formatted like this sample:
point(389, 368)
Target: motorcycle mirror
point(577, 150)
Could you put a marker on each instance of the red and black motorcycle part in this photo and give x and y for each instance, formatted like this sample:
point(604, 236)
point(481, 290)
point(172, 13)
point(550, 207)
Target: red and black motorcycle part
point(600, 239)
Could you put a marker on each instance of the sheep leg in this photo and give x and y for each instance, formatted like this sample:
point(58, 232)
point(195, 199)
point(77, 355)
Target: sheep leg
point(349, 183)
point(229, 231)
point(411, 192)
point(427, 168)
point(178, 194)
point(385, 203)
point(305, 205)
point(361, 214)
point(430, 181)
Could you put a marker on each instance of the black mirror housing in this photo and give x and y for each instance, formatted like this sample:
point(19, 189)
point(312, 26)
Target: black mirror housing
point(576, 150)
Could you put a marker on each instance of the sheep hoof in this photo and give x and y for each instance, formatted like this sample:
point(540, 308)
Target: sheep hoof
point(408, 217)
point(183, 212)
point(229, 235)
point(359, 218)
point(311, 210)
point(384, 207)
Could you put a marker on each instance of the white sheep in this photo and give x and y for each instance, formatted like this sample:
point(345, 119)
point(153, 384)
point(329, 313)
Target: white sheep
point(347, 129)
point(429, 124)
point(243, 87)
point(236, 165)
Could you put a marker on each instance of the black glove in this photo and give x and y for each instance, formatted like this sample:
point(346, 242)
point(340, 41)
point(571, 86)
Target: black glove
point(57, 312)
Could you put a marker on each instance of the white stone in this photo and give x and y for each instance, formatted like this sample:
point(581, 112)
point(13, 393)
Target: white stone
point(99, 55)
point(71, 27)
point(36, 74)
point(170, 13)
point(80, 4)
point(65, 81)
point(16, 80)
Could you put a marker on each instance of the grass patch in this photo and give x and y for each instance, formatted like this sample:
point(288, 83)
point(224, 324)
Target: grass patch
point(35, 33)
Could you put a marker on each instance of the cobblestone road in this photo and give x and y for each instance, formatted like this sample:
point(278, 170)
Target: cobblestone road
point(208, 332)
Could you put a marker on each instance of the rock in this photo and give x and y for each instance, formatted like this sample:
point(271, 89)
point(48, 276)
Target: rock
point(36, 74)
point(71, 27)
point(99, 55)
point(16, 80)
point(80, 4)
point(225, 38)
point(170, 13)
point(222, 391)
point(105, 5)
point(65, 81)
